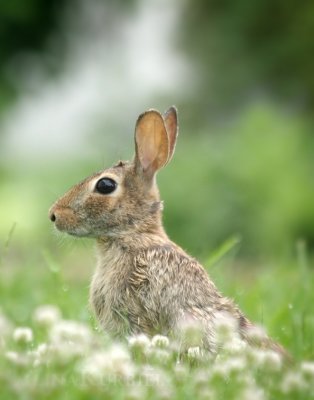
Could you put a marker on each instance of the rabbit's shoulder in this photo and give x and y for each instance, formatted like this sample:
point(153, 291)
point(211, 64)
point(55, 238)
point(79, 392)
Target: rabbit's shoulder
point(172, 286)
point(166, 272)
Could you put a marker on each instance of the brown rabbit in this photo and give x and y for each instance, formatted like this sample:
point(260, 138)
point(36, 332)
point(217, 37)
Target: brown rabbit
point(144, 283)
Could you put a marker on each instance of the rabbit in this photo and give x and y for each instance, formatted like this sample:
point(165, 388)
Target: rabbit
point(143, 282)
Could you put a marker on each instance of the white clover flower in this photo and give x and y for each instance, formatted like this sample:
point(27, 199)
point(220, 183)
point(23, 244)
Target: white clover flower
point(265, 358)
point(293, 381)
point(307, 368)
point(64, 352)
point(206, 393)
point(160, 355)
point(236, 364)
point(41, 354)
point(248, 379)
point(111, 364)
point(224, 367)
point(23, 335)
point(235, 346)
point(252, 392)
point(92, 369)
point(202, 376)
point(194, 353)
point(225, 327)
point(119, 357)
point(160, 341)
point(165, 391)
point(136, 391)
point(256, 334)
point(19, 359)
point(47, 315)
point(272, 360)
point(181, 372)
point(255, 356)
point(12, 356)
point(158, 379)
point(68, 340)
point(190, 332)
point(139, 342)
point(70, 332)
point(42, 349)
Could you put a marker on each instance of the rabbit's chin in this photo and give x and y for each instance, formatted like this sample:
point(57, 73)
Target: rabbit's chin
point(79, 232)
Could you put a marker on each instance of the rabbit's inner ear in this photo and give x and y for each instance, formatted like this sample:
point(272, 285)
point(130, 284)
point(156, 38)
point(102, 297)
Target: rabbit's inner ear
point(171, 122)
point(151, 142)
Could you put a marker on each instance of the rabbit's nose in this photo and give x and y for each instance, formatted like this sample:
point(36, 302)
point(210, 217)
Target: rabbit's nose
point(52, 215)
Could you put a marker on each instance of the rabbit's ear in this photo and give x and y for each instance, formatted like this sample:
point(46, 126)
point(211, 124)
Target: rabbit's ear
point(171, 122)
point(151, 142)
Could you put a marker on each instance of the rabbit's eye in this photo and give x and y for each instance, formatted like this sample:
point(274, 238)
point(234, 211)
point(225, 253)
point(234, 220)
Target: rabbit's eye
point(106, 185)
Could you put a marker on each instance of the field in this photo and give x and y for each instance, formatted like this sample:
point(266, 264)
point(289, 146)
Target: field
point(61, 354)
point(242, 208)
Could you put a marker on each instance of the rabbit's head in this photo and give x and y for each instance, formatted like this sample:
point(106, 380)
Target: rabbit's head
point(123, 199)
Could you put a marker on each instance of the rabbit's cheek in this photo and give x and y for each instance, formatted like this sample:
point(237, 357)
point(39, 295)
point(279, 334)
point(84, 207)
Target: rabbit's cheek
point(99, 206)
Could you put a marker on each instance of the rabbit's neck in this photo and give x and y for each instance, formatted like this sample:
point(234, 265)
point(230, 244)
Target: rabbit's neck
point(132, 242)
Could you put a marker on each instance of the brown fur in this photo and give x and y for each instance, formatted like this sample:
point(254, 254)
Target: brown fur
point(143, 282)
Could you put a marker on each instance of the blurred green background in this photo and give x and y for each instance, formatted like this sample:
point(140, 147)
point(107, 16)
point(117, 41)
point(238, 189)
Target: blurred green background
point(74, 75)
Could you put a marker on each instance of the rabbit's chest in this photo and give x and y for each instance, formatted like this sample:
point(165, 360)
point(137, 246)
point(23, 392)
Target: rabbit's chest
point(110, 296)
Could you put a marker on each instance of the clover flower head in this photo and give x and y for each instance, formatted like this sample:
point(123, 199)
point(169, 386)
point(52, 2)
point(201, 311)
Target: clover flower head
point(307, 368)
point(225, 326)
point(108, 364)
point(70, 332)
point(47, 315)
point(23, 335)
point(139, 342)
point(293, 381)
point(160, 341)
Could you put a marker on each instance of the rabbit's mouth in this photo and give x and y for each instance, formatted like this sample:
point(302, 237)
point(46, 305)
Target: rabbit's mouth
point(65, 220)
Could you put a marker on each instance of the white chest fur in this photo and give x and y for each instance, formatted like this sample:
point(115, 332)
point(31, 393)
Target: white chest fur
point(109, 289)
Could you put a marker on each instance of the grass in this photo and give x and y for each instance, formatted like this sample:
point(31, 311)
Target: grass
point(68, 357)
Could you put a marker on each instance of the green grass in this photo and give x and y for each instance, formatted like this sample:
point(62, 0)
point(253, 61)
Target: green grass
point(278, 296)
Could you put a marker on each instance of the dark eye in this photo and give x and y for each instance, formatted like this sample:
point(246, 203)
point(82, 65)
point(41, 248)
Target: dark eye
point(106, 185)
